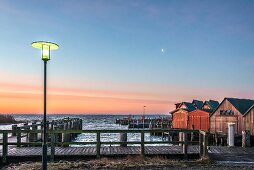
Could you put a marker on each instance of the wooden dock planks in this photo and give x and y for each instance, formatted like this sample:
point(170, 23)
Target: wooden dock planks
point(216, 153)
point(107, 150)
point(231, 154)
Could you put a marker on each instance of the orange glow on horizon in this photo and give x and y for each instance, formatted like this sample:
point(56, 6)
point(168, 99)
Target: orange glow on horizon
point(29, 99)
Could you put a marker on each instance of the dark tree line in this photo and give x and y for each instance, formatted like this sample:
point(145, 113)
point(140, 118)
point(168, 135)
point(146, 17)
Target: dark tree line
point(7, 119)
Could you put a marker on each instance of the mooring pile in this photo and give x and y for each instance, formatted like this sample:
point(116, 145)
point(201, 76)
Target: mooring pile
point(33, 135)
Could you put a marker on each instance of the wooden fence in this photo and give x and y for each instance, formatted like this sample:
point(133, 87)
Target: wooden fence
point(54, 134)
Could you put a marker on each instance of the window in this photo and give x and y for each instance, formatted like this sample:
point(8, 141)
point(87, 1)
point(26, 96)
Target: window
point(226, 112)
point(206, 106)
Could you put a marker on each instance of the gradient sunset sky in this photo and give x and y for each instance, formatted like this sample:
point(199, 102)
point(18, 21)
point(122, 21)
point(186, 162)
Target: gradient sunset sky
point(116, 56)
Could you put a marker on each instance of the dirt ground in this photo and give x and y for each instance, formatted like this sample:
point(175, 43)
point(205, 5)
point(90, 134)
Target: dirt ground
point(128, 163)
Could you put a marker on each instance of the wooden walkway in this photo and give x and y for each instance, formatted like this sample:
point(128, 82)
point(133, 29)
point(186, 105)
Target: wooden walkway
point(224, 154)
point(219, 154)
point(106, 151)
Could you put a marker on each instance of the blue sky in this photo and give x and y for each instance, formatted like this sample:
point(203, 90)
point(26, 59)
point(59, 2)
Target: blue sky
point(117, 46)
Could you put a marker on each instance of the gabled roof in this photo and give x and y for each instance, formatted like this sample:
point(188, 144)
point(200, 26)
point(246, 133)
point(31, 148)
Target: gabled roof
point(197, 103)
point(248, 110)
point(178, 104)
point(187, 110)
point(213, 104)
point(189, 106)
point(242, 105)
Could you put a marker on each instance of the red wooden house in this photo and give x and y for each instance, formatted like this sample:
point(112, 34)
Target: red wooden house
point(180, 115)
point(198, 120)
point(191, 116)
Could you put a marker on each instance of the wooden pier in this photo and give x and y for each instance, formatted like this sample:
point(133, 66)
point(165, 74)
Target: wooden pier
point(100, 148)
point(19, 136)
point(104, 151)
point(216, 153)
point(154, 123)
point(11, 150)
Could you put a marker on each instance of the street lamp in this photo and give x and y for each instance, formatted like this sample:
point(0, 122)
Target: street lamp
point(45, 47)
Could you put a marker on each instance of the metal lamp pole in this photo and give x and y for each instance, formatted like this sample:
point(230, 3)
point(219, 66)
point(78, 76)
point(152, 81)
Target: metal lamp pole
point(45, 47)
point(44, 145)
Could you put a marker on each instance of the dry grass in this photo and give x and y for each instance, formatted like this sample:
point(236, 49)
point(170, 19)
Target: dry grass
point(128, 163)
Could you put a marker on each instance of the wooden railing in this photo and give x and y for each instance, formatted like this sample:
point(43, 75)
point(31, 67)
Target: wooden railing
point(53, 135)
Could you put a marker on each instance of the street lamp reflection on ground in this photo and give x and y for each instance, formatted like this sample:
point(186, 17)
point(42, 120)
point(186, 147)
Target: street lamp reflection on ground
point(45, 48)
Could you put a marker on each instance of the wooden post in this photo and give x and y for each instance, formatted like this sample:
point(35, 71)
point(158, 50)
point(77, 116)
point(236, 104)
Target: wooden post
point(192, 136)
point(76, 126)
point(25, 125)
point(216, 139)
point(52, 157)
point(185, 145)
point(200, 144)
point(142, 148)
point(14, 128)
point(41, 130)
point(98, 145)
point(29, 137)
point(205, 145)
point(245, 138)
point(66, 136)
point(60, 135)
point(192, 133)
point(52, 125)
point(80, 123)
point(47, 127)
point(5, 147)
point(57, 138)
point(35, 127)
point(70, 126)
point(123, 138)
point(33, 136)
point(180, 138)
point(18, 137)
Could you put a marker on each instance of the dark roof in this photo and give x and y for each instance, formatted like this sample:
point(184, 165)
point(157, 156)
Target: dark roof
point(249, 109)
point(189, 106)
point(197, 103)
point(188, 110)
point(242, 105)
point(213, 104)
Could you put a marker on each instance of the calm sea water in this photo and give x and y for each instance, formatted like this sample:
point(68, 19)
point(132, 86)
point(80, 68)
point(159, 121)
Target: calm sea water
point(92, 122)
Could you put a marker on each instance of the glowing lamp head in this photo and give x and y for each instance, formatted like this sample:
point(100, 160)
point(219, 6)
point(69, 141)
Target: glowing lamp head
point(45, 48)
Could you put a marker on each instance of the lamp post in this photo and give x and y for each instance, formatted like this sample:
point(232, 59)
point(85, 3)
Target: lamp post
point(45, 47)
